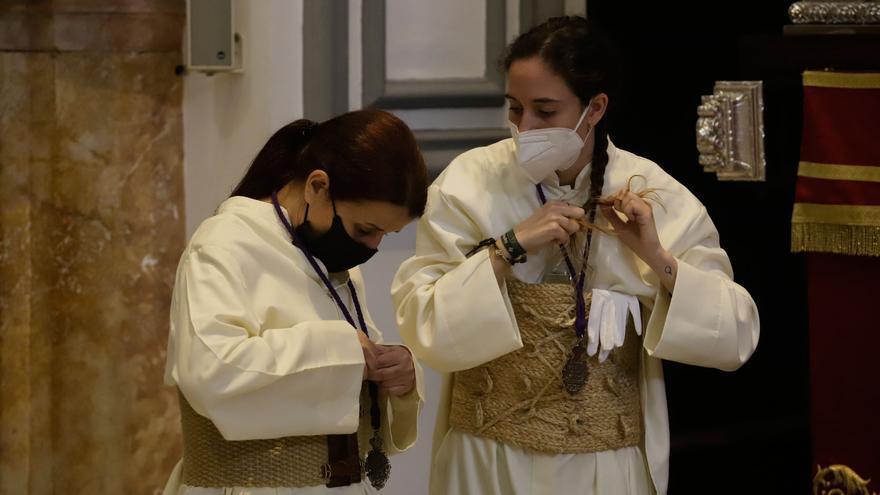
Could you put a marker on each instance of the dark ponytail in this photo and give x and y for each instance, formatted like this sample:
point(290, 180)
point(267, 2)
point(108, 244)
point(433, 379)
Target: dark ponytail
point(274, 166)
point(369, 155)
point(587, 62)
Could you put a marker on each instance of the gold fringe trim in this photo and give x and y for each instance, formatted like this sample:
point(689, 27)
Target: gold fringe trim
point(859, 240)
point(852, 80)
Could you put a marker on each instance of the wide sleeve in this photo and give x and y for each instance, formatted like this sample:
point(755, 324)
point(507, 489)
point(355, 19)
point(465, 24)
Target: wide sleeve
point(400, 414)
point(708, 320)
point(255, 382)
point(450, 309)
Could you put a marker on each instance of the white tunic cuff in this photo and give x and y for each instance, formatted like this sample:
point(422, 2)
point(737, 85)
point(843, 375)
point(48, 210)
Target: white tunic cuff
point(708, 321)
point(402, 414)
point(471, 311)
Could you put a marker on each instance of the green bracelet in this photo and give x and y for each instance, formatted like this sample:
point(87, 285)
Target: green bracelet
point(517, 253)
point(512, 244)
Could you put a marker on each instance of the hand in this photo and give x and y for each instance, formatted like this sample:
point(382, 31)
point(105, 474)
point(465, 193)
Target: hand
point(553, 223)
point(638, 232)
point(395, 371)
point(370, 353)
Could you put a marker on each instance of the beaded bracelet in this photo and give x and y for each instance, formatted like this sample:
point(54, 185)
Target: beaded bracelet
point(500, 253)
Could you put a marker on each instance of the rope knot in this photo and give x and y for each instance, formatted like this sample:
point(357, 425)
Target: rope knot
point(576, 425)
point(488, 385)
point(527, 384)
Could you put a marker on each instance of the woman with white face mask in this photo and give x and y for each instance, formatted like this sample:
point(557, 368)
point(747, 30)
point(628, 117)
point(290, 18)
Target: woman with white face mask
point(538, 260)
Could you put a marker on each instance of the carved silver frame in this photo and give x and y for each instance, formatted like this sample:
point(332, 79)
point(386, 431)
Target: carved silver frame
point(730, 131)
point(864, 12)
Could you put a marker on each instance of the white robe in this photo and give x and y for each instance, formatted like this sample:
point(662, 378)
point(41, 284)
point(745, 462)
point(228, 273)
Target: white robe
point(258, 346)
point(453, 315)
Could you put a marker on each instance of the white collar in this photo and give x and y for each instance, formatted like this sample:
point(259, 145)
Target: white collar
point(264, 212)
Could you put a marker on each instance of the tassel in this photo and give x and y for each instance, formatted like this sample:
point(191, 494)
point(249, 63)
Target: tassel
point(859, 240)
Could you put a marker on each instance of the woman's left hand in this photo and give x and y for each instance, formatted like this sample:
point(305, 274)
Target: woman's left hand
point(638, 232)
point(395, 371)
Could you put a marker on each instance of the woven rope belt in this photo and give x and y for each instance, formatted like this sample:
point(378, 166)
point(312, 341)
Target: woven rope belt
point(518, 399)
point(209, 460)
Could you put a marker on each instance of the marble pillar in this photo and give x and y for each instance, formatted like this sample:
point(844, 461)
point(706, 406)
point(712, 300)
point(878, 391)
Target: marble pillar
point(91, 228)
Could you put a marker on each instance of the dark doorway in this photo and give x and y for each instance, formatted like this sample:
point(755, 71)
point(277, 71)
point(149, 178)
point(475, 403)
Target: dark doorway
point(748, 431)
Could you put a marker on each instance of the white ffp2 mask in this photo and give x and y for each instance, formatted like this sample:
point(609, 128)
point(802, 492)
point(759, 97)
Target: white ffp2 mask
point(541, 152)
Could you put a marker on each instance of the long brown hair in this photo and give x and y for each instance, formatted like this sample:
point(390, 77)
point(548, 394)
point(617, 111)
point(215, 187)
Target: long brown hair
point(368, 155)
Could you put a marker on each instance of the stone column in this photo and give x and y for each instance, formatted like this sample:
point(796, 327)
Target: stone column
point(91, 228)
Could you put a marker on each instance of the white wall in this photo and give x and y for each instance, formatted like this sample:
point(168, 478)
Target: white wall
point(228, 117)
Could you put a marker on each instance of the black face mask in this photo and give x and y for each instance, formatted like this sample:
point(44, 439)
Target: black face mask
point(335, 248)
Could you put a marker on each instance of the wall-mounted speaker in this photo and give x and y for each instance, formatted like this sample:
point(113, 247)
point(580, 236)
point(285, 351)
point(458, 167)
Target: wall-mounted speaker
point(212, 45)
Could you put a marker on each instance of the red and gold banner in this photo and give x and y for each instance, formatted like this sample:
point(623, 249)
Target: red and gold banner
point(837, 218)
point(837, 202)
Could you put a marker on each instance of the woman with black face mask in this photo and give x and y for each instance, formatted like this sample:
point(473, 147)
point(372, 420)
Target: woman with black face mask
point(285, 386)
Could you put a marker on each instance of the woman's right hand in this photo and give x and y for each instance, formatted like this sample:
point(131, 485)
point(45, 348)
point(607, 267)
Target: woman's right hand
point(553, 223)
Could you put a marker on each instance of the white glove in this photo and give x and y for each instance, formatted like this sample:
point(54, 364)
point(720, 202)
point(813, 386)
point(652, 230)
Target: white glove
point(606, 327)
